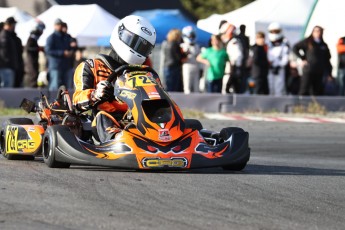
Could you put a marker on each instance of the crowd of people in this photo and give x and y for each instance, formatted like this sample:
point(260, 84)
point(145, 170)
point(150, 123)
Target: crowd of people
point(269, 67)
point(229, 65)
point(61, 51)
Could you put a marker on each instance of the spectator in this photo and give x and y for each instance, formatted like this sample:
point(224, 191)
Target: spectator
point(330, 86)
point(341, 65)
point(11, 59)
point(215, 57)
point(278, 57)
point(79, 57)
point(59, 53)
point(260, 64)
point(294, 81)
point(173, 58)
point(32, 54)
point(246, 46)
point(68, 78)
point(315, 57)
point(234, 49)
point(190, 68)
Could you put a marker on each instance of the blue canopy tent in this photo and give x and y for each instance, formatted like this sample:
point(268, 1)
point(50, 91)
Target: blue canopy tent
point(165, 20)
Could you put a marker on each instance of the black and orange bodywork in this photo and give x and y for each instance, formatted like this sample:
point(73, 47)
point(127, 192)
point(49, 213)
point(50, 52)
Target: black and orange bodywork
point(156, 138)
point(131, 150)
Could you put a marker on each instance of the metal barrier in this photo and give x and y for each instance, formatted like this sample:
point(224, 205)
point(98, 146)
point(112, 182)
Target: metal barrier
point(206, 102)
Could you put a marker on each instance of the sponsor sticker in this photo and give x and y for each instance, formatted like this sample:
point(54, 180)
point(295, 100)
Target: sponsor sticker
point(146, 31)
point(164, 135)
point(173, 162)
point(13, 145)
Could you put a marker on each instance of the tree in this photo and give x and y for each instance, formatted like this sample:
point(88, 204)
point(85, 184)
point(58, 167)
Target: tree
point(204, 8)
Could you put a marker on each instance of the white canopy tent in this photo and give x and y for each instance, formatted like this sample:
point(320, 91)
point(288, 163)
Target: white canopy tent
point(19, 15)
point(87, 23)
point(329, 15)
point(291, 14)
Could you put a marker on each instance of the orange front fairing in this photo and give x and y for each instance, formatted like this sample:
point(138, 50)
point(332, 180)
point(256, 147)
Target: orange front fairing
point(153, 155)
point(155, 115)
point(23, 139)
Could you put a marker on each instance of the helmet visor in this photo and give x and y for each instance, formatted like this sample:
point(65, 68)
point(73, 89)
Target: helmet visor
point(135, 42)
point(275, 31)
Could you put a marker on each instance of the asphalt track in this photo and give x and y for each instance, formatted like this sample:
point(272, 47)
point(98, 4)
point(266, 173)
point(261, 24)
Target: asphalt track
point(295, 179)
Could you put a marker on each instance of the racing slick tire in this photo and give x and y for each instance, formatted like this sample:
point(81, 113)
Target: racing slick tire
point(14, 121)
point(225, 134)
point(193, 124)
point(49, 147)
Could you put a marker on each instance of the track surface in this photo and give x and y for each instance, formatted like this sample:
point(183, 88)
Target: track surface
point(295, 179)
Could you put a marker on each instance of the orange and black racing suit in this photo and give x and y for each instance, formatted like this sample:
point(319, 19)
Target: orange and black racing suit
point(86, 77)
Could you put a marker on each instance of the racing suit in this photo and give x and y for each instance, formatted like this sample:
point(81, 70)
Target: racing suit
point(278, 57)
point(190, 68)
point(86, 77)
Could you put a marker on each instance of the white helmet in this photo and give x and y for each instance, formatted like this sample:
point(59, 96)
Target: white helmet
point(188, 34)
point(275, 31)
point(133, 39)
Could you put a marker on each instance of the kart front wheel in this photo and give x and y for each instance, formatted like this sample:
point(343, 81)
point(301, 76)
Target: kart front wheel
point(49, 147)
point(225, 134)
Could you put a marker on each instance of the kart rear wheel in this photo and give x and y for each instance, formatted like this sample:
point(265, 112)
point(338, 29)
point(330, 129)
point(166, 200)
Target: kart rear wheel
point(225, 134)
point(193, 124)
point(49, 146)
point(14, 121)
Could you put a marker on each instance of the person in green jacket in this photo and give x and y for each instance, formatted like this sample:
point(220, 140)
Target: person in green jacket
point(215, 58)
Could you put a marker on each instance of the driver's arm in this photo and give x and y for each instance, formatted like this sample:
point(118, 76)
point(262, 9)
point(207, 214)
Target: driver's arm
point(84, 83)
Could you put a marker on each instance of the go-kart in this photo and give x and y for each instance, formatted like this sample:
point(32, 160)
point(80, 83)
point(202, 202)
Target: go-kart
point(21, 139)
point(154, 135)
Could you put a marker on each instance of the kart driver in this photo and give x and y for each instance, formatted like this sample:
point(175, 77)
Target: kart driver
point(131, 41)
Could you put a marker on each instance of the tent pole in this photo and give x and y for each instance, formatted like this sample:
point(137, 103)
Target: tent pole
point(308, 19)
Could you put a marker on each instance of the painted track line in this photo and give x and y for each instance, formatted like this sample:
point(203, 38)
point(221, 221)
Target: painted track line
point(304, 119)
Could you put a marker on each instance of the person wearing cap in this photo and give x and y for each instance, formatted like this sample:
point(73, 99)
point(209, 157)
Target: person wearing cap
point(234, 49)
point(68, 78)
point(32, 54)
point(58, 51)
point(11, 59)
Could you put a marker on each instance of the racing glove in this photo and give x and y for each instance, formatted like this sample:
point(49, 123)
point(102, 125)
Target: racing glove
point(104, 91)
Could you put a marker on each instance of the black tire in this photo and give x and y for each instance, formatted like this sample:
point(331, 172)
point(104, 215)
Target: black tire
point(14, 121)
point(19, 121)
point(193, 124)
point(225, 134)
point(48, 148)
